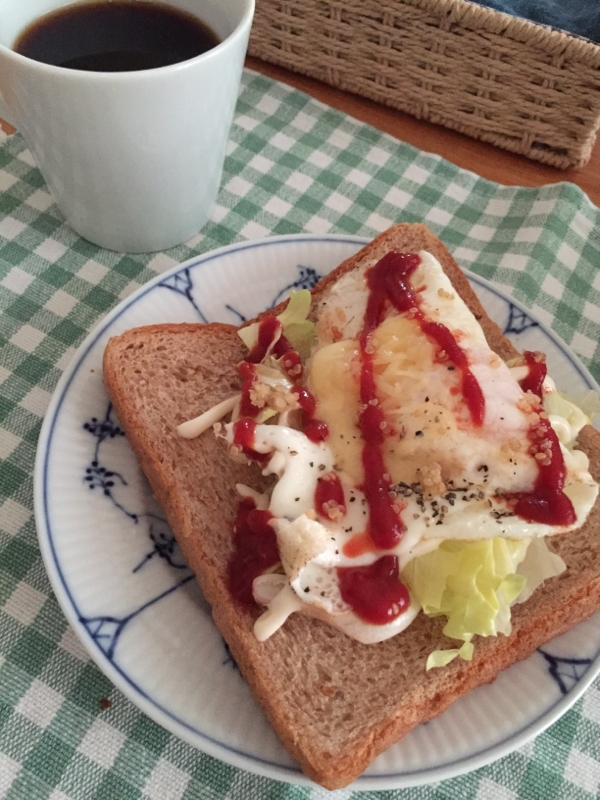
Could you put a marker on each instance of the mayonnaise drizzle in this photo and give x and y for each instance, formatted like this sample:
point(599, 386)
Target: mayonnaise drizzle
point(296, 461)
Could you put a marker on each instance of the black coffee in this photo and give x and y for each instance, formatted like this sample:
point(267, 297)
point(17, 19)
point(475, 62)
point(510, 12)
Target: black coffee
point(115, 36)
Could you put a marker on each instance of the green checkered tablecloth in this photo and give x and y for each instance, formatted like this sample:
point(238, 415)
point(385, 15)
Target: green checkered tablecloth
point(293, 165)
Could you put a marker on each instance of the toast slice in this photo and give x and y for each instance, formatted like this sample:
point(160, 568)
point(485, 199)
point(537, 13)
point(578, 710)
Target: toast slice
point(315, 684)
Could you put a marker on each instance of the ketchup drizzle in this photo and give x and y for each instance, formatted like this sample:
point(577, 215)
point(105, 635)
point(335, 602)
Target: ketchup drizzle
point(536, 373)
point(329, 497)
point(374, 592)
point(314, 429)
point(547, 503)
point(255, 551)
point(291, 363)
point(243, 437)
point(388, 282)
point(249, 378)
point(270, 333)
point(270, 341)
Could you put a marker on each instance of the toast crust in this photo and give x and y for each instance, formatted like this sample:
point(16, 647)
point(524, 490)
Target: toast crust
point(313, 682)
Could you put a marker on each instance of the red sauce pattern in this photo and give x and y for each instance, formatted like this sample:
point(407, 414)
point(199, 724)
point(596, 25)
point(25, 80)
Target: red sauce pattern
point(314, 429)
point(243, 437)
point(389, 281)
point(329, 497)
point(269, 337)
point(249, 378)
point(359, 544)
point(389, 284)
point(271, 341)
point(291, 364)
point(536, 373)
point(547, 503)
point(255, 550)
point(374, 592)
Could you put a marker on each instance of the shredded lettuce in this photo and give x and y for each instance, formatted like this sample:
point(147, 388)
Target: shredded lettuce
point(588, 402)
point(472, 584)
point(539, 564)
point(249, 335)
point(570, 414)
point(297, 329)
point(296, 310)
point(439, 658)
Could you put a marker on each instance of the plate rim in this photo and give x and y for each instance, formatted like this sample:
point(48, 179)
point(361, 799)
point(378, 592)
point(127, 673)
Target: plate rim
point(154, 708)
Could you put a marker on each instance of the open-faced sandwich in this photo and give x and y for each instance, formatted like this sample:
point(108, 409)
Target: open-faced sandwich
point(383, 501)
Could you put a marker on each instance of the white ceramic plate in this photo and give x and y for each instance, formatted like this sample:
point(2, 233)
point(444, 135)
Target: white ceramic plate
point(125, 589)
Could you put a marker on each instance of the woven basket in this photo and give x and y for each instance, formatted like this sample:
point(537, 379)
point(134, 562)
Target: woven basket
point(521, 86)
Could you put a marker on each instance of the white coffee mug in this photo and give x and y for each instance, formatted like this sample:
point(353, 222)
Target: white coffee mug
point(133, 159)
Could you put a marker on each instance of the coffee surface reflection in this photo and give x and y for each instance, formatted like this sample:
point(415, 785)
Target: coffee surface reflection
point(115, 36)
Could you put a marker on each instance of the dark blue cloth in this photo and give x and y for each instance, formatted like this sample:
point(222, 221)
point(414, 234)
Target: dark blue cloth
point(581, 17)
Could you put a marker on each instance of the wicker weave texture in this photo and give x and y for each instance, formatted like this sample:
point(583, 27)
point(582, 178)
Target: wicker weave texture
point(521, 86)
